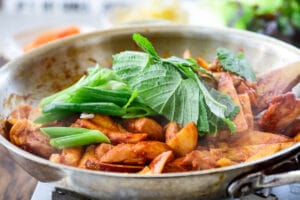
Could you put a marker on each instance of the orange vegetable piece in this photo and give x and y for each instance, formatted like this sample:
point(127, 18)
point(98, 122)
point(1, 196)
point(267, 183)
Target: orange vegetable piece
point(224, 162)
point(185, 140)
point(51, 35)
point(202, 63)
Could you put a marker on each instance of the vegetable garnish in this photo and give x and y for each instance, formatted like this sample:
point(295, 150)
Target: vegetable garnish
point(144, 84)
point(171, 87)
point(236, 64)
point(54, 132)
point(65, 137)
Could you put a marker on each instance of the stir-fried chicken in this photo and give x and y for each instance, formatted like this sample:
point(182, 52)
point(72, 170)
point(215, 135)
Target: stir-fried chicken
point(282, 111)
point(26, 135)
point(137, 153)
point(114, 136)
point(145, 125)
point(275, 83)
point(226, 86)
point(147, 146)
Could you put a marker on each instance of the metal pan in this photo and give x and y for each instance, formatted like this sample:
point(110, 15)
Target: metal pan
point(56, 65)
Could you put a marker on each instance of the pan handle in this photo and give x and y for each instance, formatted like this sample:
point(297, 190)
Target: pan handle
point(260, 180)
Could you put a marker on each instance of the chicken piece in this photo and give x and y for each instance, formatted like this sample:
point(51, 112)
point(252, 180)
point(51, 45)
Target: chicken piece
point(26, 135)
point(282, 111)
point(89, 160)
point(171, 129)
point(119, 168)
point(224, 162)
point(250, 89)
point(245, 87)
point(136, 154)
point(226, 86)
point(255, 137)
point(200, 160)
point(145, 170)
point(176, 165)
point(222, 145)
point(158, 163)
point(276, 83)
point(145, 125)
point(68, 156)
point(21, 112)
point(221, 136)
point(292, 129)
point(246, 106)
point(115, 137)
point(102, 149)
point(185, 140)
point(34, 113)
point(107, 122)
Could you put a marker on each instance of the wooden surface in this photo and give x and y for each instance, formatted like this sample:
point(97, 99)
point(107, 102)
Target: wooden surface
point(15, 183)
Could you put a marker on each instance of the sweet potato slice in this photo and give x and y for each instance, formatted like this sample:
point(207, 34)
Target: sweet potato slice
point(226, 86)
point(145, 170)
point(256, 137)
point(145, 125)
point(136, 154)
point(224, 162)
point(107, 122)
point(71, 156)
point(237, 154)
point(55, 157)
point(249, 152)
point(157, 165)
point(89, 160)
point(185, 140)
point(115, 137)
point(266, 151)
point(297, 137)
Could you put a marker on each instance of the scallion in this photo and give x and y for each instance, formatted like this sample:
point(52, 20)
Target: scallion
point(89, 137)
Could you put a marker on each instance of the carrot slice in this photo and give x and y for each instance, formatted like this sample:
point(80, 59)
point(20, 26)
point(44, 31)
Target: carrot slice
point(51, 35)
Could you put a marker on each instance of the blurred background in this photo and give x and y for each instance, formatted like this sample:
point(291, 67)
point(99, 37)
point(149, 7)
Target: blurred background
point(26, 24)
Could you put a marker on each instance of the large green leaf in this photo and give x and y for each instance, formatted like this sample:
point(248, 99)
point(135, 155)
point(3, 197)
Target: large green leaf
point(129, 64)
point(236, 64)
point(163, 89)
